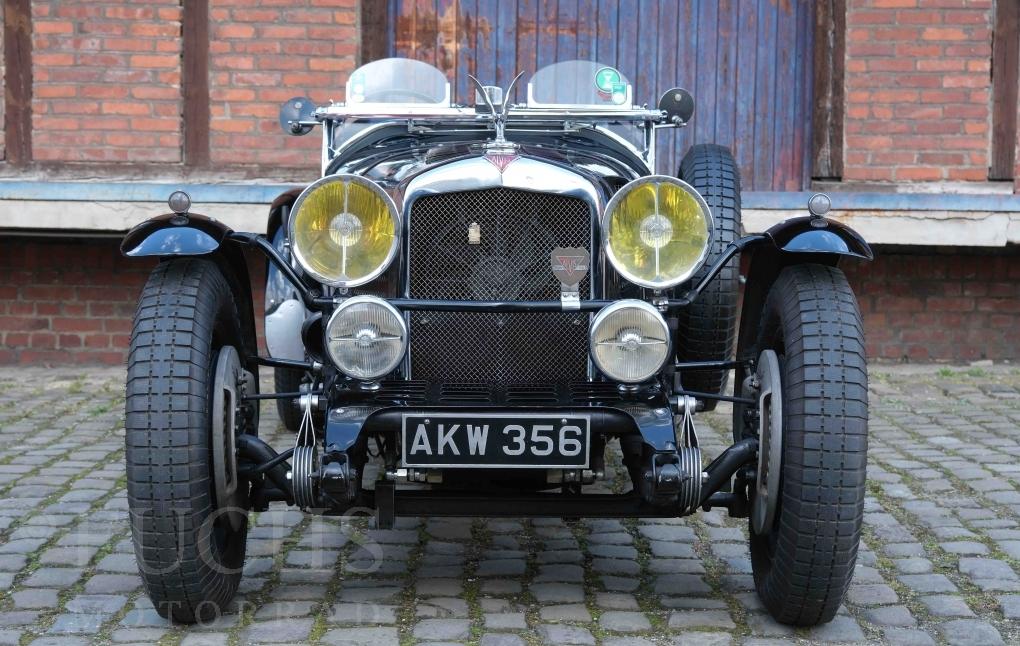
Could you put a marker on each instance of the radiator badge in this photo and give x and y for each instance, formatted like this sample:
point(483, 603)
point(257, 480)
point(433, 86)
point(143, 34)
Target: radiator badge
point(474, 233)
point(569, 264)
point(500, 160)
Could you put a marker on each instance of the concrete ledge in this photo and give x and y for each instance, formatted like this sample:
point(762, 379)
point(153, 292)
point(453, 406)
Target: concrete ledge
point(935, 228)
point(110, 208)
point(114, 218)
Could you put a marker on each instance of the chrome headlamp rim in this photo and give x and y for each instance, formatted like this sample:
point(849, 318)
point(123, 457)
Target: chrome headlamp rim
point(374, 300)
point(391, 206)
point(615, 201)
point(616, 306)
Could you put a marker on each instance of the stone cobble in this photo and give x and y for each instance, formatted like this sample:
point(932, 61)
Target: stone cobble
point(939, 562)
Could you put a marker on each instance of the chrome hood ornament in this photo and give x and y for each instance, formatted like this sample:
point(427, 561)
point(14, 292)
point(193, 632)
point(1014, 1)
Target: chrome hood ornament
point(498, 117)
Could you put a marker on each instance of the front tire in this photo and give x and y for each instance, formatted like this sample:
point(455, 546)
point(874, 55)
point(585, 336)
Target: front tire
point(190, 552)
point(706, 329)
point(804, 562)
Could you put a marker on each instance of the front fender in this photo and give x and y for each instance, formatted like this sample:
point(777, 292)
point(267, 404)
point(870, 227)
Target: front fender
point(809, 234)
point(173, 234)
point(798, 240)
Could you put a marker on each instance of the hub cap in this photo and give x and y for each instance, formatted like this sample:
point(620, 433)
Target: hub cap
point(770, 442)
point(228, 387)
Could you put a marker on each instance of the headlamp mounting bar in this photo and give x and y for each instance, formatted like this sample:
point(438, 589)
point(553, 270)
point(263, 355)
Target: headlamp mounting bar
point(315, 300)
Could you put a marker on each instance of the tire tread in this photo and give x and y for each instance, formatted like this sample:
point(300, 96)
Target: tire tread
point(707, 328)
point(825, 447)
point(166, 438)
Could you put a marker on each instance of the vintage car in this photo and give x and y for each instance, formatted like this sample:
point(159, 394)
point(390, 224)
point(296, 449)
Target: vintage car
point(468, 308)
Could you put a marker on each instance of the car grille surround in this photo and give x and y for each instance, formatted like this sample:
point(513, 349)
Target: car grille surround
point(508, 260)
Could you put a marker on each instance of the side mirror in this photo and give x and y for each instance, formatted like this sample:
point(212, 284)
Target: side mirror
point(678, 104)
point(294, 112)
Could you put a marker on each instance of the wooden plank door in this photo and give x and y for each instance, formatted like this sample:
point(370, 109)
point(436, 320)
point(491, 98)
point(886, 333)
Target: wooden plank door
point(747, 62)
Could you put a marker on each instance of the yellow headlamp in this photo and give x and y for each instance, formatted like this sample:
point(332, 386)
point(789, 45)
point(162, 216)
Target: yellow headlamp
point(656, 231)
point(344, 230)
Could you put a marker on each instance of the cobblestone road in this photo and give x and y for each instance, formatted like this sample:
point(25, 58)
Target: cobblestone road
point(940, 561)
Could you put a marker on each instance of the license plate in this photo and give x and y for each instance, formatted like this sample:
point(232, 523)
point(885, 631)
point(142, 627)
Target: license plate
point(520, 441)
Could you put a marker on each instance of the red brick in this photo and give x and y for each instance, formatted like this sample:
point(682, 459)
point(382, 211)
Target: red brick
point(106, 51)
point(929, 98)
point(45, 357)
point(263, 55)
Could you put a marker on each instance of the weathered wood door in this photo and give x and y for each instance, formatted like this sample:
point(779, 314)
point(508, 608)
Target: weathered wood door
point(747, 62)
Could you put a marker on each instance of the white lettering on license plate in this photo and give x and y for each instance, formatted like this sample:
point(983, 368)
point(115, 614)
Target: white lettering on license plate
point(477, 438)
point(528, 441)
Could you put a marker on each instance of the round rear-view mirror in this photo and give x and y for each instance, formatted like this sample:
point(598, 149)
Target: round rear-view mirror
point(294, 112)
point(678, 104)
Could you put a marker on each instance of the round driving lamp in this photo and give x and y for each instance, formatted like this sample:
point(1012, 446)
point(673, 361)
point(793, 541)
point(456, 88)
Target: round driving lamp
point(344, 230)
point(629, 341)
point(656, 231)
point(366, 337)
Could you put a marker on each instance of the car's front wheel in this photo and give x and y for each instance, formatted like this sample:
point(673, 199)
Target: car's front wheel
point(184, 393)
point(804, 544)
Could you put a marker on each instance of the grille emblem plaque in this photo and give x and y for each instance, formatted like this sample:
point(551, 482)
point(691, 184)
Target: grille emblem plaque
point(569, 264)
point(474, 233)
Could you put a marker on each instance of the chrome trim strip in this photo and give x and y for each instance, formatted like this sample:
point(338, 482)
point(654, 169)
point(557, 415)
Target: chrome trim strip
point(424, 111)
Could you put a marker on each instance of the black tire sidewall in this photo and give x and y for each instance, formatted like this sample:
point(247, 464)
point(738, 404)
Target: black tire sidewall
point(706, 329)
point(190, 561)
point(803, 567)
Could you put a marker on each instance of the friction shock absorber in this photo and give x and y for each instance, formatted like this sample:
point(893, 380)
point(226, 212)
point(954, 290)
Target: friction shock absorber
point(305, 461)
point(690, 459)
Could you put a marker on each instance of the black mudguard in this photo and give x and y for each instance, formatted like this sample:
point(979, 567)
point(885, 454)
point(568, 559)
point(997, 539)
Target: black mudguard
point(795, 241)
point(813, 235)
point(278, 288)
point(172, 234)
point(175, 235)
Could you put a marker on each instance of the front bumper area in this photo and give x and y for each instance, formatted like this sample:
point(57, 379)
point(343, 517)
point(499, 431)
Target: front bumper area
point(667, 479)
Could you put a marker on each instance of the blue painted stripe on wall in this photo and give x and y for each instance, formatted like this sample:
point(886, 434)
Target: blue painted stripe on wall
point(266, 193)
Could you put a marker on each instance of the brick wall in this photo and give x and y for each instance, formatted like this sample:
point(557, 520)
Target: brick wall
point(918, 304)
point(72, 301)
point(917, 89)
point(107, 77)
point(107, 81)
point(262, 54)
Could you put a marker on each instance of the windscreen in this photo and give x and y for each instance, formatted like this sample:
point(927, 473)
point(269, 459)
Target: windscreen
point(579, 83)
point(398, 80)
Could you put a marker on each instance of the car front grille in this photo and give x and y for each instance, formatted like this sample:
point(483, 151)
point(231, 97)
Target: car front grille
point(517, 232)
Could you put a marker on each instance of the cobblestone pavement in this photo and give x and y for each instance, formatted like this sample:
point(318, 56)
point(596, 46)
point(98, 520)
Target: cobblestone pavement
point(940, 562)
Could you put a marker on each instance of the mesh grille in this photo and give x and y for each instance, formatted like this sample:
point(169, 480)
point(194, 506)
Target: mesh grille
point(499, 348)
point(518, 230)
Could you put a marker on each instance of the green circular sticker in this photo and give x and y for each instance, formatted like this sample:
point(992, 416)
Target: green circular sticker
point(606, 78)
